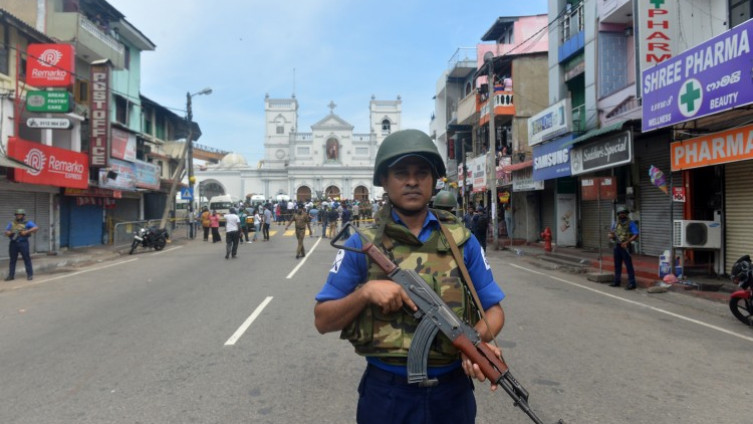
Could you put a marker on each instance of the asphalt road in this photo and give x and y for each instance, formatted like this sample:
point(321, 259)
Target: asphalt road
point(185, 336)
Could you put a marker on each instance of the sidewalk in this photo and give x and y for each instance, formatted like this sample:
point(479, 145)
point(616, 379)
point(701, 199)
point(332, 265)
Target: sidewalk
point(586, 262)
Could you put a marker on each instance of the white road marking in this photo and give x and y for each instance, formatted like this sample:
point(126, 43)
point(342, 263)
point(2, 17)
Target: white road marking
point(300, 264)
point(242, 329)
point(632, 302)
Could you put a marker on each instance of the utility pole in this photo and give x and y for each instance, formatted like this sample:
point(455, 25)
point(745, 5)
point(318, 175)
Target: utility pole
point(489, 59)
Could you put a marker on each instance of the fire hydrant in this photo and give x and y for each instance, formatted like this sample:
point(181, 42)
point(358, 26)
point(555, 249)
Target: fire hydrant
point(546, 235)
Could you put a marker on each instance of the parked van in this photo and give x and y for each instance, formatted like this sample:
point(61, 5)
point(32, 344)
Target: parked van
point(222, 205)
point(181, 208)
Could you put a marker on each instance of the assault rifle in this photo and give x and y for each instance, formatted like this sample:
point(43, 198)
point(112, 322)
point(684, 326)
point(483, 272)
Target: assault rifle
point(434, 315)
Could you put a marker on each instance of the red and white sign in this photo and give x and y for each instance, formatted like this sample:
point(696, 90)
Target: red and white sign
point(123, 145)
point(54, 166)
point(50, 65)
point(100, 122)
point(658, 28)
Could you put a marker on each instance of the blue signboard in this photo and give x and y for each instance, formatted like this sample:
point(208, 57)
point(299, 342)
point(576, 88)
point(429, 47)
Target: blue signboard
point(186, 193)
point(707, 79)
point(552, 159)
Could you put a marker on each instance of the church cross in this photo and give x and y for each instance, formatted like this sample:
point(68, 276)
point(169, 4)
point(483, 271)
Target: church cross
point(331, 107)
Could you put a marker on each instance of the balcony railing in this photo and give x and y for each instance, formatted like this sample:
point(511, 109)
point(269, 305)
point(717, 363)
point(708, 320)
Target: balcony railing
point(573, 22)
point(95, 32)
point(467, 108)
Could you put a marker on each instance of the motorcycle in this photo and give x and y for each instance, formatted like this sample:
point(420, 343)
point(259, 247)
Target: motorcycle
point(741, 301)
point(150, 237)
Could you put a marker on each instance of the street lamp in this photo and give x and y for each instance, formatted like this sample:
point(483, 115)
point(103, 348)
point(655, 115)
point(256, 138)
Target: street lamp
point(189, 146)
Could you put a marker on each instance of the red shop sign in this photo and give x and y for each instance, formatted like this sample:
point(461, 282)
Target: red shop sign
point(55, 166)
point(50, 65)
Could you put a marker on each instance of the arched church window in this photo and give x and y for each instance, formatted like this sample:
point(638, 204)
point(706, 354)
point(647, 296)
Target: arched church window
point(386, 126)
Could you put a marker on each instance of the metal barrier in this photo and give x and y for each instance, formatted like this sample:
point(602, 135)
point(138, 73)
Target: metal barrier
point(178, 228)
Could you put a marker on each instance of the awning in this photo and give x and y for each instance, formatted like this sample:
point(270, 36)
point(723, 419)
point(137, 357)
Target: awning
point(9, 162)
point(517, 166)
point(597, 132)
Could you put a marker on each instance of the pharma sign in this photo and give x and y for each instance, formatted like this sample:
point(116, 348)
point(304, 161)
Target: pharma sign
point(54, 166)
point(552, 160)
point(658, 28)
point(714, 149)
point(550, 122)
point(707, 79)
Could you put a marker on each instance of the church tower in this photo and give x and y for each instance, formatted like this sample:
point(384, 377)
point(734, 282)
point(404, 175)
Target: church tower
point(281, 119)
point(385, 117)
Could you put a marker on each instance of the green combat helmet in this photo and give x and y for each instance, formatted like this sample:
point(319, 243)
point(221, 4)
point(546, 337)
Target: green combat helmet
point(445, 200)
point(404, 143)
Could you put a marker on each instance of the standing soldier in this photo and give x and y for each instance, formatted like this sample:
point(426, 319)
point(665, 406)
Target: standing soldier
point(19, 231)
point(301, 219)
point(370, 310)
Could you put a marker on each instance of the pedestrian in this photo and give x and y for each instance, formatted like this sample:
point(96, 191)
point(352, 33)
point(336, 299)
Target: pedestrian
point(232, 233)
point(214, 220)
point(357, 291)
point(267, 222)
point(301, 219)
point(206, 223)
point(257, 223)
point(356, 212)
point(346, 217)
point(480, 225)
point(242, 216)
point(623, 233)
point(332, 217)
point(18, 231)
point(446, 201)
point(314, 215)
point(325, 220)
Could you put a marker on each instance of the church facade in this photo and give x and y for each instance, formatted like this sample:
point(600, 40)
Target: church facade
point(330, 161)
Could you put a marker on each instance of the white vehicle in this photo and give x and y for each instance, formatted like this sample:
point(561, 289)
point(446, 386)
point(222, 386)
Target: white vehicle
point(181, 208)
point(222, 205)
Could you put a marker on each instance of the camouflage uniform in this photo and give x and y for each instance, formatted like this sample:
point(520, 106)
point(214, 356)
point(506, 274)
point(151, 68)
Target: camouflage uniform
point(301, 221)
point(389, 336)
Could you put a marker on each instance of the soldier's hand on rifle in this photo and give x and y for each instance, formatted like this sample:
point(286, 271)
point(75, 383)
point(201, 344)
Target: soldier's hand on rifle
point(472, 370)
point(388, 295)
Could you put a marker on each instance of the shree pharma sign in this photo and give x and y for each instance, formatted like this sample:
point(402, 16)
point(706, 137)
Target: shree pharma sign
point(710, 78)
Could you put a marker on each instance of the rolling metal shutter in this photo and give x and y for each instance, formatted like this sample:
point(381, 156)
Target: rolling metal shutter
point(590, 222)
point(548, 203)
point(738, 204)
point(655, 224)
point(37, 207)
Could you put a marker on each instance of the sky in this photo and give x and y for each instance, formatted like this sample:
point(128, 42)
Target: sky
point(343, 51)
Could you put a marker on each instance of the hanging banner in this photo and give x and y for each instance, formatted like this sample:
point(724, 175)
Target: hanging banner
point(54, 166)
point(479, 173)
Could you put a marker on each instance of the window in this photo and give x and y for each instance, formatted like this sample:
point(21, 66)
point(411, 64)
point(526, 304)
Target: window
point(739, 11)
point(280, 129)
point(81, 91)
point(127, 57)
point(386, 126)
point(4, 52)
point(121, 110)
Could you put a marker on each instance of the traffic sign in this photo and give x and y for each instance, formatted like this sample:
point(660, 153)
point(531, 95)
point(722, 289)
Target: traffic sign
point(55, 101)
point(186, 193)
point(49, 123)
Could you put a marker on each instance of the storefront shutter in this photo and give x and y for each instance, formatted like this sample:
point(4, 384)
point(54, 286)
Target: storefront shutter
point(738, 204)
point(592, 219)
point(655, 223)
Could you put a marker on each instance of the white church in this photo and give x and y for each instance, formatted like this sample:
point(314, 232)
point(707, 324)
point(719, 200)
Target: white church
point(331, 161)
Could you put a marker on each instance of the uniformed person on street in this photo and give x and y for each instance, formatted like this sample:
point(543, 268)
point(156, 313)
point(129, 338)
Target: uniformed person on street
point(445, 201)
point(301, 219)
point(18, 231)
point(358, 299)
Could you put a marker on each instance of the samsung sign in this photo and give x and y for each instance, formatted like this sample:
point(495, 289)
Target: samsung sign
point(552, 160)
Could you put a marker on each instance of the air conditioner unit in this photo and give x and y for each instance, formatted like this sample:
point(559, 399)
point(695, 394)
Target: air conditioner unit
point(697, 234)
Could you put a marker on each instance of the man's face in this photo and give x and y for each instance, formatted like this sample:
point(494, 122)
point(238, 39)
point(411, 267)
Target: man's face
point(409, 184)
point(622, 216)
point(19, 217)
